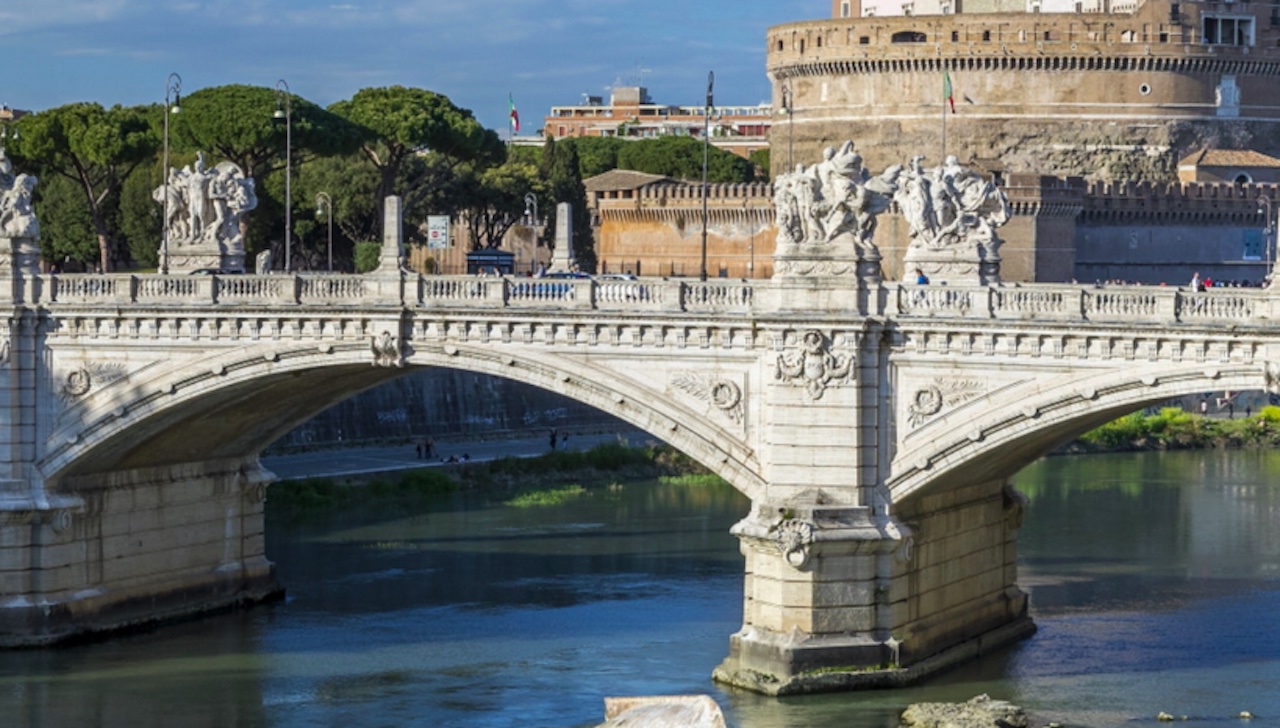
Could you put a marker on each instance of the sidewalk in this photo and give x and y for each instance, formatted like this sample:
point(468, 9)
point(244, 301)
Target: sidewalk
point(367, 460)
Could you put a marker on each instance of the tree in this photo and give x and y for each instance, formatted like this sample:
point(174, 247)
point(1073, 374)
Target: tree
point(681, 158)
point(66, 225)
point(399, 124)
point(495, 200)
point(560, 169)
point(597, 155)
point(96, 149)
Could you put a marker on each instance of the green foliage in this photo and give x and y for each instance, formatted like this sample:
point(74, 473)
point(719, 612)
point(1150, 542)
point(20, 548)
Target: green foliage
point(552, 497)
point(140, 215)
point(1175, 428)
point(697, 479)
point(597, 155)
point(96, 149)
point(398, 124)
point(367, 256)
point(303, 497)
point(66, 225)
point(761, 159)
point(1270, 414)
point(681, 157)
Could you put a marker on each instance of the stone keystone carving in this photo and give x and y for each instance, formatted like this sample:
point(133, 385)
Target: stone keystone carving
point(826, 213)
point(386, 350)
point(953, 214)
point(813, 366)
point(794, 538)
point(17, 218)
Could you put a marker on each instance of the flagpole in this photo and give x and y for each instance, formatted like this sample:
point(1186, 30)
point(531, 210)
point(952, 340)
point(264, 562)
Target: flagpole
point(946, 83)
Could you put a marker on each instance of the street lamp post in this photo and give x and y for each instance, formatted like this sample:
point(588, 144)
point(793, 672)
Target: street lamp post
point(172, 105)
point(751, 247)
point(324, 203)
point(706, 143)
point(284, 110)
point(1265, 205)
point(788, 105)
point(531, 217)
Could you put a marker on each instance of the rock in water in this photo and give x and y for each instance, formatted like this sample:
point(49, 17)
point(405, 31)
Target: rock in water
point(980, 712)
point(663, 711)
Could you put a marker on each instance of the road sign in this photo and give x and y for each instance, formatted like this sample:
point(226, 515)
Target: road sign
point(437, 232)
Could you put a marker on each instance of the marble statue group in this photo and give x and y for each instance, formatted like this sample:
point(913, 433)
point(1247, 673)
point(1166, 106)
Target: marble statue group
point(952, 212)
point(17, 217)
point(205, 205)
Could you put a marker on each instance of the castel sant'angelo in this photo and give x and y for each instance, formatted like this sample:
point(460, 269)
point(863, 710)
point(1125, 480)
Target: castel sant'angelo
point(1136, 141)
point(1104, 89)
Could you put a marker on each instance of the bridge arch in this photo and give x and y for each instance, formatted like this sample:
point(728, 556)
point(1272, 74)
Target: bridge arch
point(229, 406)
point(991, 438)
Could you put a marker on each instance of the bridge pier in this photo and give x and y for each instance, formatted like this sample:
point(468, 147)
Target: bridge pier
point(132, 547)
point(838, 598)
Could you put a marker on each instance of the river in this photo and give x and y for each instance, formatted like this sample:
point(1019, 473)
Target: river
point(1154, 577)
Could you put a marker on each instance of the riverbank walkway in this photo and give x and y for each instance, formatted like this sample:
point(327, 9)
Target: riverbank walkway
point(343, 462)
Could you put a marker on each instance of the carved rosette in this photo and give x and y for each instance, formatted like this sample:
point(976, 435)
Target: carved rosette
point(387, 351)
point(80, 381)
point(795, 536)
point(813, 366)
point(724, 395)
point(930, 399)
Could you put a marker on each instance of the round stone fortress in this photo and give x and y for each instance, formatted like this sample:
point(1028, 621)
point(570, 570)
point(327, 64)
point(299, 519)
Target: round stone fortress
point(1122, 94)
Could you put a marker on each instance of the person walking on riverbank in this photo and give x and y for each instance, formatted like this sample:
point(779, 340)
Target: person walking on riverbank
point(553, 438)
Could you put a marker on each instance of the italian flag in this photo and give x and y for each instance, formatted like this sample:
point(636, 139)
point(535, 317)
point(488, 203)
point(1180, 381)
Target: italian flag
point(947, 93)
point(515, 115)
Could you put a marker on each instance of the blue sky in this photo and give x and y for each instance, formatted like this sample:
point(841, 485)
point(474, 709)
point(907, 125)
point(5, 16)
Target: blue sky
point(543, 52)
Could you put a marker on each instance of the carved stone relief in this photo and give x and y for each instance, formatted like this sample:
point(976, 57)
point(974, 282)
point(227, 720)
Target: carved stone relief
point(794, 538)
point(387, 351)
point(813, 366)
point(723, 394)
point(80, 381)
point(943, 392)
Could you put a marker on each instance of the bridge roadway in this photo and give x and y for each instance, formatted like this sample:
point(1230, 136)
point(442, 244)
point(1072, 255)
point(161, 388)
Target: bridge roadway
point(874, 426)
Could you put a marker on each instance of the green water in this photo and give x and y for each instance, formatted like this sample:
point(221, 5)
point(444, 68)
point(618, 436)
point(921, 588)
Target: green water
point(1155, 581)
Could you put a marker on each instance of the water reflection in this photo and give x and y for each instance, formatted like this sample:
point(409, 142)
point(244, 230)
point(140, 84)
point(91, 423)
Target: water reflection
point(1153, 581)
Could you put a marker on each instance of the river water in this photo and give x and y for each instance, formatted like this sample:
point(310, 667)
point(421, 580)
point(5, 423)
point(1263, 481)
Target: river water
point(1154, 577)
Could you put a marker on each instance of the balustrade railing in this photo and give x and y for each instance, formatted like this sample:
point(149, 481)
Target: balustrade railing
point(1034, 302)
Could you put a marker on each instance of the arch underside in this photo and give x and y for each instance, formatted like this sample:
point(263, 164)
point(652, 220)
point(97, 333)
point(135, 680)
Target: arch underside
point(233, 412)
point(993, 437)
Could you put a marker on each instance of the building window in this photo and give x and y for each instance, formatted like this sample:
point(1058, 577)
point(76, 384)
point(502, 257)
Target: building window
point(986, 36)
point(1233, 30)
point(864, 40)
point(955, 36)
point(907, 9)
point(845, 10)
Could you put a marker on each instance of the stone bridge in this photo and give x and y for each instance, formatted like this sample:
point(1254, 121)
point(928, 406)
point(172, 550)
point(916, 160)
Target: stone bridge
point(874, 426)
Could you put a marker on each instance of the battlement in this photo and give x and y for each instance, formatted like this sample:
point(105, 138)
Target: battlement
point(1176, 201)
point(1118, 40)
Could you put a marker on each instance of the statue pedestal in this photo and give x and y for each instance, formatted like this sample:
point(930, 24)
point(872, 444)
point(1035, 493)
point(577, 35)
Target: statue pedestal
point(827, 276)
point(199, 256)
point(966, 264)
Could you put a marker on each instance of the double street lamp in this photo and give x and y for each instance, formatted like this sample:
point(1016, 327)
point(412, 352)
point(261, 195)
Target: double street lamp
point(706, 143)
point(284, 110)
point(172, 105)
point(324, 203)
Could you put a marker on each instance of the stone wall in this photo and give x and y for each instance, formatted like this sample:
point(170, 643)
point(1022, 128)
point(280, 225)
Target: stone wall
point(444, 403)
